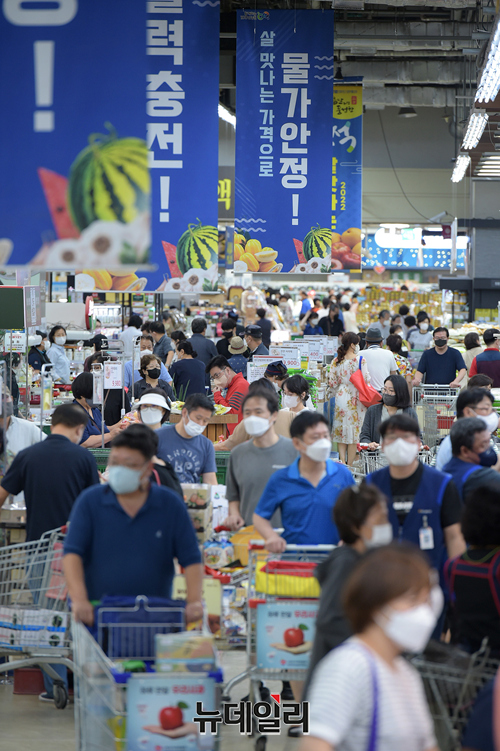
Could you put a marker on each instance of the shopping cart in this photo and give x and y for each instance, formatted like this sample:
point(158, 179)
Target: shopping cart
point(103, 685)
point(451, 684)
point(34, 617)
point(435, 408)
point(282, 592)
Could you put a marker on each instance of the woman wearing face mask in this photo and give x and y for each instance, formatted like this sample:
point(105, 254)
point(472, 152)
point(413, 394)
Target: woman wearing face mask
point(420, 339)
point(349, 412)
point(295, 394)
point(360, 515)
point(57, 354)
point(364, 695)
point(395, 400)
point(154, 411)
point(150, 371)
point(176, 337)
point(82, 388)
point(332, 324)
point(276, 373)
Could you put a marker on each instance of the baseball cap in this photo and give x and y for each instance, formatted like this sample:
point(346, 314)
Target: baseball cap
point(373, 334)
point(254, 330)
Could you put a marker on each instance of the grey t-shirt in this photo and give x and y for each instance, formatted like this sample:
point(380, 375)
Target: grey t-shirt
point(249, 470)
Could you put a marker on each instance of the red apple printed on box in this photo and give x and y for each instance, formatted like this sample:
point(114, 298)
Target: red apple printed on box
point(295, 640)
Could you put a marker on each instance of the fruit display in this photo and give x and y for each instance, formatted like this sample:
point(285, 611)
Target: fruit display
point(109, 180)
point(317, 243)
point(347, 249)
point(90, 280)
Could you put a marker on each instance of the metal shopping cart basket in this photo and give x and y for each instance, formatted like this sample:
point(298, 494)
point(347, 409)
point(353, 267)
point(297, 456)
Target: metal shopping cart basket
point(118, 681)
point(374, 460)
point(435, 408)
point(452, 679)
point(34, 617)
point(283, 597)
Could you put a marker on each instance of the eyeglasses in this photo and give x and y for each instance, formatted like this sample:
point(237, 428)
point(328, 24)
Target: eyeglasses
point(217, 375)
point(386, 391)
point(484, 410)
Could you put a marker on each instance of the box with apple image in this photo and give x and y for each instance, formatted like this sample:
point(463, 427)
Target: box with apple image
point(285, 634)
point(202, 522)
point(161, 709)
point(196, 495)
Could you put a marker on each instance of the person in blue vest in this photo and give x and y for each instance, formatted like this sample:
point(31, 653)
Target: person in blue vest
point(471, 465)
point(424, 504)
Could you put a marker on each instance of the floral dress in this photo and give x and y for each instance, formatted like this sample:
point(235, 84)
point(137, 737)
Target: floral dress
point(349, 412)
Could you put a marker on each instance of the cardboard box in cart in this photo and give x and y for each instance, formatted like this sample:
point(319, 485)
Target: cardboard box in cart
point(161, 706)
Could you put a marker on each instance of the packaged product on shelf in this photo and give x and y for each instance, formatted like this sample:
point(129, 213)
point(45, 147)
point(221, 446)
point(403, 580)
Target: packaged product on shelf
point(218, 553)
point(202, 522)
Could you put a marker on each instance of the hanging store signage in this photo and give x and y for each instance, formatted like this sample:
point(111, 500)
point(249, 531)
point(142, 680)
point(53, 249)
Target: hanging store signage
point(284, 141)
point(347, 142)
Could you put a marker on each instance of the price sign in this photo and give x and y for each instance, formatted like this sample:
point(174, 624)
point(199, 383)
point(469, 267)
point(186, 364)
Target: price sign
point(112, 375)
point(97, 391)
point(15, 340)
point(289, 355)
point(332, 345)
point(316, 352)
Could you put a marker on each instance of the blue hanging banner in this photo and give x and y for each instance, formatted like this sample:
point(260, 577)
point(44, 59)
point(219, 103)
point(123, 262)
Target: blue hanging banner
point(104, 139)
point(75, 187)
point(183, 142)
point(284, 141)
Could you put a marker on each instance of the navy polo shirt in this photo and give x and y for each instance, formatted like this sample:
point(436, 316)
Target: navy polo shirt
point(94, 425)
point(125, 555)
point(52, 474)
point(306, 511)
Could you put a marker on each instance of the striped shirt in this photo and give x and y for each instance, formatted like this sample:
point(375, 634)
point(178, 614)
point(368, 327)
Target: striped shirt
point(341, 703)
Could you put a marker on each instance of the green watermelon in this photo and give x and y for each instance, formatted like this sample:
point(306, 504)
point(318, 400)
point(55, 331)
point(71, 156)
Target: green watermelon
point(317, 243)
point(198, 247)
point(109, 180)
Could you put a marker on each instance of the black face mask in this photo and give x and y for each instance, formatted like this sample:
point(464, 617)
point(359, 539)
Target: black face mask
point(440, 342)
point(389, 400)
point(228, 334)
point(154, 373)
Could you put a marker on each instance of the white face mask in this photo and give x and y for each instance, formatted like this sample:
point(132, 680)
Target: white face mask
point(320, 450)
point(193, 429)
point(256, 426)
point(491, 421)
point(400, 452)
point(146, 352)
point(61, 340)
point(290, 400)
point(151, 415)
point(356, 349)
point(409, 629)
point(423, 326)
point(381, 535)
point(437, 600)
point(276, 386)
point(46, 344)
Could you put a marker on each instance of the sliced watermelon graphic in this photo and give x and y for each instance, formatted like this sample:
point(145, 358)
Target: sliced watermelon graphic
point(170, 254)
point(298, 249)
point(55, 188)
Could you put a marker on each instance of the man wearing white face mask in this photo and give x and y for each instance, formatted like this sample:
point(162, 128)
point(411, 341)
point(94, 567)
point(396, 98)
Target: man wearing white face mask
point(234, 385)
point(305, 492)
point(424, 504)
point(124, 535)
point(146, 345)
point(190, 452)
point(251, 464)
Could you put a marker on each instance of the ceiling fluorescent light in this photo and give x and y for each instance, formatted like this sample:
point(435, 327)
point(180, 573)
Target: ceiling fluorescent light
point(490, 77)
point(227, 116)
point(461, 166)
point(475, 127)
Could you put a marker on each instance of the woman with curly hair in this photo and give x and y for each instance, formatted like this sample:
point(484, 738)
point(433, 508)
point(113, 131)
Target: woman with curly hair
point(349, 412)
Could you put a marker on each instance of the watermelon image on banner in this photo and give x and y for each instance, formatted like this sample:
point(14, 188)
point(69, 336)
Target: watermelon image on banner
point(101, 214)
point(194, 267)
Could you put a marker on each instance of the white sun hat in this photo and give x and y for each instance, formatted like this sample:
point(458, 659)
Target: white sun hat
point(156, 400)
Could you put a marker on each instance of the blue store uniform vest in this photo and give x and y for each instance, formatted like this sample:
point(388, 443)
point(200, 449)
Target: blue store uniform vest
point(426, 510)
point(460, 471)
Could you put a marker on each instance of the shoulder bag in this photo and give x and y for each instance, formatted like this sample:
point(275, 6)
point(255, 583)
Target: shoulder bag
point(366, 393)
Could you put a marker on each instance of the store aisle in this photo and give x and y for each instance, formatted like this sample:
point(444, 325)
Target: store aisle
point(28, 724)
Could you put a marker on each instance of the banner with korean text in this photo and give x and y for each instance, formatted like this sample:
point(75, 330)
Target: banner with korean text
point(347, 169)
point(183, 141)
point(112, 119)
point(283, 187)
